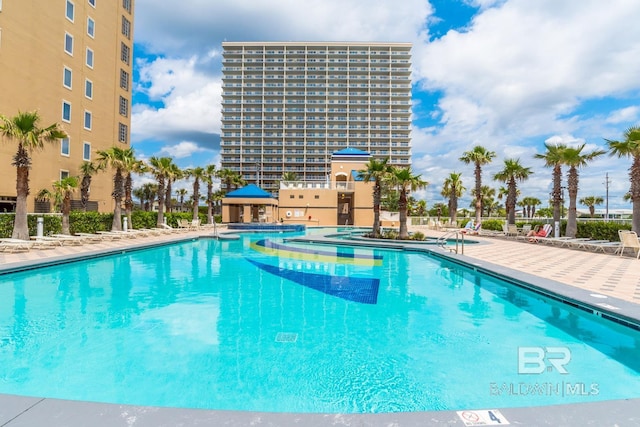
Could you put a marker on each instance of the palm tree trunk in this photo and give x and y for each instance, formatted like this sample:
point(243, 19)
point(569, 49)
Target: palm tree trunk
point(402, 207)
point(20, 225)
point(22, 162)
point(66, 208)
point(196, 197)
point(167, 198)
point(376, 209)
point(478, 172)
point(511, 202)
point(209, 203)
point(160, 221)
point(572, 226)
point(116, 225)
point(557, 192)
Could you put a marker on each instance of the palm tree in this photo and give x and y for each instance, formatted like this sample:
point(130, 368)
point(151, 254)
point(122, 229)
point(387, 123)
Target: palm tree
point(131, 165)
point(115, 158)
point(553, 159)
point(173, 173)
point(198, 174)
point(181, 193)
point(488, 194)
point(160, 167)
point(376, 170)
point(87, 170)
point(511, 173)
point(229, 178)
point(479, 156)
point(289, 176)
point(405, 180)
point(421, 208)
point(453, 189)
point(630, 147)
point(210, 174)
point(591, 202)
point(529, 204)
point(574, 158)
point(25, 130)
point(65, 188)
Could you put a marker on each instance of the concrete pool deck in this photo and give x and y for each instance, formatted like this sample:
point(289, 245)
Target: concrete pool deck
point(584, 273)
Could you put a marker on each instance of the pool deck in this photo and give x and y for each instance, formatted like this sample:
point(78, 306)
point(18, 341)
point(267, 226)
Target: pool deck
point(574, 274)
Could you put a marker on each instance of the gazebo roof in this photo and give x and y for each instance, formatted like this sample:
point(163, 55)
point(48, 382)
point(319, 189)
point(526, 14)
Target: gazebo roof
point(250, 191)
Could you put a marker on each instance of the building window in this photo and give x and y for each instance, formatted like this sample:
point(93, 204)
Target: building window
point(126, 28)
point(87, 120)
point(124, 80)
point(63, 174)
point(88, 88)
point(64, 146)
point(89, 58)
point(124, 53)
point(91, 27)
point(124, 106)
point(123, 132)
point(92, 3)
point(86, 151)
point(70, 10)
point(67, 77)
point(66, 112)
point(127, 5)
point(68, 43)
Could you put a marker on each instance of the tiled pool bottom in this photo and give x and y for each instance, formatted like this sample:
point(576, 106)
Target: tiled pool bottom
point(82, 413)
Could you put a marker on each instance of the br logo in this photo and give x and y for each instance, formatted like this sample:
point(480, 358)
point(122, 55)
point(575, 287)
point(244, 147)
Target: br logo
point(536, 360)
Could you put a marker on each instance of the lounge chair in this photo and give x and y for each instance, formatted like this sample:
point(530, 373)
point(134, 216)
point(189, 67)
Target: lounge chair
point(512, 230)
point(15, 245)
point(598, 245)
point(629, 239)
point(542, 234)
point(58, 240)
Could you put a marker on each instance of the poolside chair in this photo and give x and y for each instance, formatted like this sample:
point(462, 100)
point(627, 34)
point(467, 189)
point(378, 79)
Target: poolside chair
point(542, 234)
point(629, 239)
point(15, 245)
point(512, 230)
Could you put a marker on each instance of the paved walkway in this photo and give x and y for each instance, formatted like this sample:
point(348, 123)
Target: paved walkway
point(604, 273)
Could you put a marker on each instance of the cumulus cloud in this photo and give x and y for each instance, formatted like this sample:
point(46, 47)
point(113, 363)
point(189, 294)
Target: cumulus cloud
point(182, 149)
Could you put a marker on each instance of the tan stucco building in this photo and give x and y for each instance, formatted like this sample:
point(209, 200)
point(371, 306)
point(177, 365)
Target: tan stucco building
point(71, 60)
point(343, 199)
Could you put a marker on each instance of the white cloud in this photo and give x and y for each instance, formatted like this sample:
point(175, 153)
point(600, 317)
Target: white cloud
point(182, 149)
point(629, 114)
point(191, 100)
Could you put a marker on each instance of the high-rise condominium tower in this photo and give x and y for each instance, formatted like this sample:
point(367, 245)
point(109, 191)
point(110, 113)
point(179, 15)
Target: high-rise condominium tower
point(70, 60)
point(286, 107)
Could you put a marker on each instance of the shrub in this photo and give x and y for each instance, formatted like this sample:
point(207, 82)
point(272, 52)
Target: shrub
point(417, 236)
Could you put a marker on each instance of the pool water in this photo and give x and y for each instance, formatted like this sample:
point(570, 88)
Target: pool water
point(267, 325)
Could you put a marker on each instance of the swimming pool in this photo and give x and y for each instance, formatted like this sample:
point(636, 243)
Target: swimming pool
point(265, 324)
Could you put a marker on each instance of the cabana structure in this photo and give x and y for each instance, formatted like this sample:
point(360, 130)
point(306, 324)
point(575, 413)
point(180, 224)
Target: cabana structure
point(249, 204)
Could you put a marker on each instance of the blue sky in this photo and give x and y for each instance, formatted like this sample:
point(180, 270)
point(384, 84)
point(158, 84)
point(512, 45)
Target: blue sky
point(506, 74)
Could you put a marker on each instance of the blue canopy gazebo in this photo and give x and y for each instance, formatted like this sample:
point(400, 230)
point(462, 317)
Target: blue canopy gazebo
point(249, 204)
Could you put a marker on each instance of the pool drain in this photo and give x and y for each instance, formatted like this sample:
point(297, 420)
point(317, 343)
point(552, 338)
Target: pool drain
point(286, 337)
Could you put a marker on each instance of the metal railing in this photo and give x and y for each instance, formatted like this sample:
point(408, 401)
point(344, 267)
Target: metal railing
point(443, 240)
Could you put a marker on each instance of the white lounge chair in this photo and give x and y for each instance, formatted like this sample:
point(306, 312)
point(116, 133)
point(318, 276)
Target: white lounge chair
point(15, 245)
point(629, 239)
